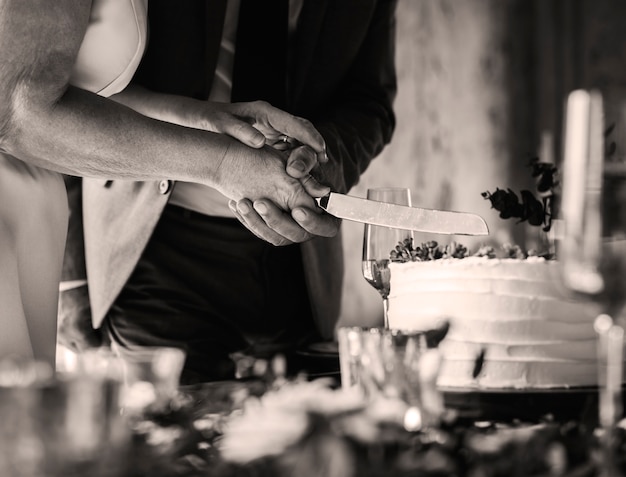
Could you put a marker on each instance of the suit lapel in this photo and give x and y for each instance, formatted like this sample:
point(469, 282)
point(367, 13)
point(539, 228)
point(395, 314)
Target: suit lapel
point(214, 13)
point(183, 46)
point(118, 220)
point(309, 25)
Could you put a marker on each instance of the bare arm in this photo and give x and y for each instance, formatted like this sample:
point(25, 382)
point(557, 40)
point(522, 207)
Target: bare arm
point(49, 123)
point(255, 123)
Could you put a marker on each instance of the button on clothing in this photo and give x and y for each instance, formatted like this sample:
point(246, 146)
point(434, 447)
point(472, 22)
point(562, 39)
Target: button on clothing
point(165, 186)
point(210, 285)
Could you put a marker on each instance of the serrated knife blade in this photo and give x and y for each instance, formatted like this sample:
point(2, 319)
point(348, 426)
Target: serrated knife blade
point(401, 216)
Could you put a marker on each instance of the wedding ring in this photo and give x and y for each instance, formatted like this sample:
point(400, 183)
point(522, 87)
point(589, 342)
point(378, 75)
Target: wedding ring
point(285, 139)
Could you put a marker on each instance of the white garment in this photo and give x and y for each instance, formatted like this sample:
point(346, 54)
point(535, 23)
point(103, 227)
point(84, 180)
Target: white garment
point(33, 226)
point(112, 47)
point(33, 201)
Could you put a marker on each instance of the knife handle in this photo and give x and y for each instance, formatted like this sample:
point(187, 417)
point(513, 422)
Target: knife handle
point(323, 201)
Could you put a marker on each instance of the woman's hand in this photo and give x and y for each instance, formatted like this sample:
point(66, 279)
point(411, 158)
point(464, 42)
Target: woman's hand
point(255, 123)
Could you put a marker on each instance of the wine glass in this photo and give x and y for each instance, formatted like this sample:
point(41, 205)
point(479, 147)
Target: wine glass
point(379, 241)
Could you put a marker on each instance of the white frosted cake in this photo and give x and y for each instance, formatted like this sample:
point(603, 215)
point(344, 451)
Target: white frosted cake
point(533, 333)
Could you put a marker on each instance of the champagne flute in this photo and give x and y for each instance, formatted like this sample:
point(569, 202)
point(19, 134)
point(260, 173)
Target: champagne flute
point(379, 241)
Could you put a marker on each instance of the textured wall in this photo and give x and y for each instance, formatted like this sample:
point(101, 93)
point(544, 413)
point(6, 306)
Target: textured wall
point(461, 127)
point(603, 60)
point(482, 85)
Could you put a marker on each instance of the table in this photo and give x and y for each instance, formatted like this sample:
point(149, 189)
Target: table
point(329, 447)
point(268, 426)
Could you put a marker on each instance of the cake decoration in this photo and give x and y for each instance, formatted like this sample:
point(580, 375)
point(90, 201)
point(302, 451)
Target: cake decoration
point(536, 211)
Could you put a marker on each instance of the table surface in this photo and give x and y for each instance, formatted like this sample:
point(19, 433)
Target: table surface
point(474, 440)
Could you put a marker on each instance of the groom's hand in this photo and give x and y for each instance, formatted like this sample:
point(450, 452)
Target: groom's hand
point(279, 227)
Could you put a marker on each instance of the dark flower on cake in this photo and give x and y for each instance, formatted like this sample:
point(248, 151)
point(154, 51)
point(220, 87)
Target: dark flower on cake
point(479, 363)
point(534, 211)
point(506, 202)
point(530, 209)
point(513, 251)
point(406, 252)
point(545, 173)
point(455, 250)
point(486, 251)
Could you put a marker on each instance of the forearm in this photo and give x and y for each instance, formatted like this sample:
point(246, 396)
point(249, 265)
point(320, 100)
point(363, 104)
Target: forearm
point(86, 135)
point(164, 107)
point(47, 122)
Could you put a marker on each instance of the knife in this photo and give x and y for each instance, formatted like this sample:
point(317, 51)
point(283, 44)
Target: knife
point(401, 216)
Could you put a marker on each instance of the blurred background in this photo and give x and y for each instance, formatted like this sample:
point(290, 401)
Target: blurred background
point(481, 89)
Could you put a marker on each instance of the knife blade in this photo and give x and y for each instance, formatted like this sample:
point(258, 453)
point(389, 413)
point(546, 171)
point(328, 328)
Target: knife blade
point(401, 216)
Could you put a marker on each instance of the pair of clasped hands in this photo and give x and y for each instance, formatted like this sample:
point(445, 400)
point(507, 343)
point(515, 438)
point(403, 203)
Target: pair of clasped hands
point(288, 212)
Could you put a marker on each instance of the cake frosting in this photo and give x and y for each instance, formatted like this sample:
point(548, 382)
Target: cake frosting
point(534, 333)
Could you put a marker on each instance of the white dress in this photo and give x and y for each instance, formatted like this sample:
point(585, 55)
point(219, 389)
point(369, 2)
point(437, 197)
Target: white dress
point(33, 201)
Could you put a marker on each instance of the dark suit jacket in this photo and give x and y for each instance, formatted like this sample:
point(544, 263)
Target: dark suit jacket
point(342, 79)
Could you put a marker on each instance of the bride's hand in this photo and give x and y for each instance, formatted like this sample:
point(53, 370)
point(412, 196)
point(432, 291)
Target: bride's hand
point(258, 123)
point(255, 123)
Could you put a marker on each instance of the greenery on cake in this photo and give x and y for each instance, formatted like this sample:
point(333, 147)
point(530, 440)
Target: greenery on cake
point(537, 209)
point(406, 251)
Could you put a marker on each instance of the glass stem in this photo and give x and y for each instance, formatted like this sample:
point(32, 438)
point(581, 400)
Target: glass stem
point(386, 312)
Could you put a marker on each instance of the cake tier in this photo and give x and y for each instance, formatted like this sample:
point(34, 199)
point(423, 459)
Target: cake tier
point(519, 374)
point(533, 331)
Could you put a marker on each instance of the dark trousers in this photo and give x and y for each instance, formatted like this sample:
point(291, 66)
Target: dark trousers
point(209, 286)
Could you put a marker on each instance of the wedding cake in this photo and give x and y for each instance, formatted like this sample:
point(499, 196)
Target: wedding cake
point(512, 324)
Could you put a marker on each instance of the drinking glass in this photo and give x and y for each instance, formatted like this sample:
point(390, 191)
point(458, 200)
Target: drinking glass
point(378, 242)
point(61, 424)
point(151, 378)
point(393, 364)
point(593, 247)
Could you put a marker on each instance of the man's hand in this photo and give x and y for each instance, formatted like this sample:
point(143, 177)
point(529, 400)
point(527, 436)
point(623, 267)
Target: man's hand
point(279, 227)
point(75, 330)
point(258, 123)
